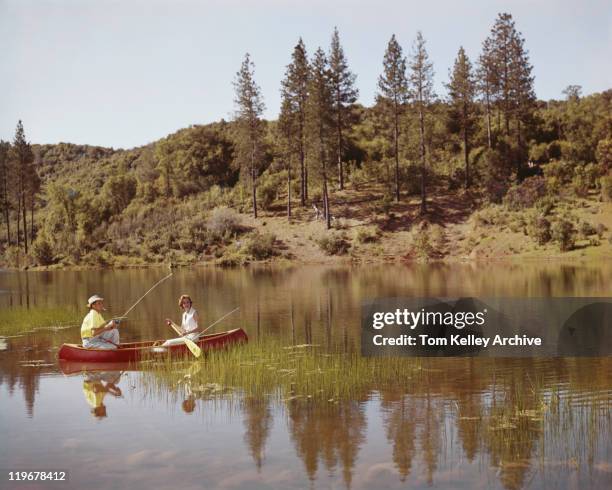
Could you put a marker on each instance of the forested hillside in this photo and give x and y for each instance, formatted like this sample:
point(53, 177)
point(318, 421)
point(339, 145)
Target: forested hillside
point(485, 169)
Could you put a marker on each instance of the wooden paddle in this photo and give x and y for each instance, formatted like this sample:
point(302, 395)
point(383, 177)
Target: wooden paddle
point(191, 345)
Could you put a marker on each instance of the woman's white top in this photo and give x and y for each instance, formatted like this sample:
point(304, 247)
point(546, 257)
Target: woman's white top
point(189, 323)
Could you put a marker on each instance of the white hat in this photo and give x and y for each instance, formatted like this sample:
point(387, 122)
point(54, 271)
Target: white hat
point(93, 299)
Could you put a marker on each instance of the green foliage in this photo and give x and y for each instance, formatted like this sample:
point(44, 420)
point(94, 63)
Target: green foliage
point(539, 229)
point(118, 192)
point(334, 243)
point(42, 250)
point(606, 188)
point(525, 194)
point(563, 234)
point(367, 235)
point(260, 246)
point(192, 160)
point(422, 246)
point(224, 223)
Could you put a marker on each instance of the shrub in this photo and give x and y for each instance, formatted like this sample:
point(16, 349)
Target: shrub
point(422, 246)
point(563, 233)
point(266, 194)
point(260, 246)
point(600, 230)
point(545, 205)
point(539, 229)
point(42, 250)
point(438, 237)
point(606, 187)
point(580, 185)
point(223, 222)
point(333, 243)
point(232, 257)
point(586, 229)
point(525, 194)
point(367, 235)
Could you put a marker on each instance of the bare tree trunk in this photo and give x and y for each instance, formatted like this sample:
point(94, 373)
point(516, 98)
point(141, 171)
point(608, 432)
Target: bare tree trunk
point(422, 133)
point(24, 213)
point(488, 105)
point(288, 188)
point(254, 183)
point(303, 177)
point(396, 151)
point(339, 151)
point(466, 149)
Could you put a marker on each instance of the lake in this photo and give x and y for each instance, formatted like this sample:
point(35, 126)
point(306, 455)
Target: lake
point(446, 422)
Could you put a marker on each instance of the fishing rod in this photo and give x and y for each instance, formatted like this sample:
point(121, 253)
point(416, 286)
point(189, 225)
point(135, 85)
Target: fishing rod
point(143, 297)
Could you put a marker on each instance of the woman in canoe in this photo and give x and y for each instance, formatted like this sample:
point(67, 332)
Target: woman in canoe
point(95, 332)
point(189, 325)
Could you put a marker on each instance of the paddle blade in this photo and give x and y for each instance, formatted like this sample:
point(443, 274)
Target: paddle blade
point(193, 347)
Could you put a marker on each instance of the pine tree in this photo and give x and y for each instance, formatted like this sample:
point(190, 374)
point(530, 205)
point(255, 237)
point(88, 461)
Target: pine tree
point(320, 120)
point(4, 187)
point(421, 82)
point(250, 107)
point(24, 175)
point(344, 95)
point(295, 90)
point(513, 70)
point(487, 83)
point(287, 128)
point(393, 87)
point(462, 109)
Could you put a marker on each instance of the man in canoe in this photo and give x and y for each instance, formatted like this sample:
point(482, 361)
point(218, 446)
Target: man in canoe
point(189, 324)
point(95, 332)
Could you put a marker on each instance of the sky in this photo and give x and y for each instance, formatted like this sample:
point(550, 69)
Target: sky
point(126, 73)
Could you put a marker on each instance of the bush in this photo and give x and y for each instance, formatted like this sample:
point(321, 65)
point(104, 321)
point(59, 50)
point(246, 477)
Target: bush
point(266, 194)
point(545, 205)
point(600, 230)
point(606, 188)
point(42, 250)
point(422, 246)
point(367, 235)
point(563, 233)
point(260, 246)
point(539, 229)
point(438, 237)
point(525, 194)
point(580, 185)
point(223, 223)
point(334, 243)
point(586, 229)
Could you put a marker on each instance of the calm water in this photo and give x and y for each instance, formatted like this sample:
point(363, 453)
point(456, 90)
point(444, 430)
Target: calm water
point(451, 429)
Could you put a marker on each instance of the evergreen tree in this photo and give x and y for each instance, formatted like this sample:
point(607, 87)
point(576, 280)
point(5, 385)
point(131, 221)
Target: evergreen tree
point(512, 71)
point(421, 81)
point(344, 95)
point(393, 87)
point(250, 107)
point(4, 187)
point(462, 108)
point(487, 83)
point(287, 128)
point(295, 91)
point(25, 174)
point(320, 121)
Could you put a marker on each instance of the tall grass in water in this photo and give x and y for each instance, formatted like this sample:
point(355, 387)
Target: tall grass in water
point(266, 367)
point(20, 320)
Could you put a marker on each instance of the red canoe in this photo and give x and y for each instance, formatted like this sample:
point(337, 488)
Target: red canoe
point(135, 351)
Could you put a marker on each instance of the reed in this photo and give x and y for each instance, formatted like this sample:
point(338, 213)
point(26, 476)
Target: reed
point(21, 320)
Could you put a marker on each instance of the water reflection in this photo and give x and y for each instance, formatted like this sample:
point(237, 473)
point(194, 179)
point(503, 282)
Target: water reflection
point(95, 388)
point(505, 423)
